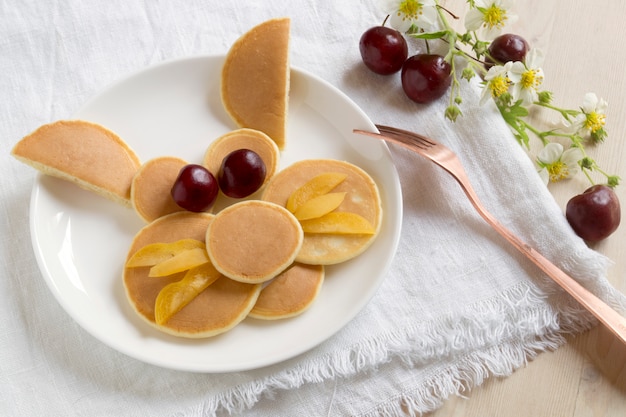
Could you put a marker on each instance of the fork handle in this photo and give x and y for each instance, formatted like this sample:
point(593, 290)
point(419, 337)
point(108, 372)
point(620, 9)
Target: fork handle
point(604, 313)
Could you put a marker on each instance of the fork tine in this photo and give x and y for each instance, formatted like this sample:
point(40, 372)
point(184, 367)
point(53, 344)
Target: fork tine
point(421, 141)
point(398, 138)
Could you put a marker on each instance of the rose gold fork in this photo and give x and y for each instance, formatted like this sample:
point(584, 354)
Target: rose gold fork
point(447, 160)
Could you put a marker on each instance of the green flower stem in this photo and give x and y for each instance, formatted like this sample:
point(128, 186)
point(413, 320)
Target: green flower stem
point(564, 112)
point(451, 37)
point(541, 135)
point(586, 173)
point(454, 91)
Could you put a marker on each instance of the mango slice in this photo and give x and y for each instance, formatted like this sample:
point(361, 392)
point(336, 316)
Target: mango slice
point(338, 223)
point(319, 206)
point(315, 187)
point(173, 297)
point(154, 253)
point(181, 262)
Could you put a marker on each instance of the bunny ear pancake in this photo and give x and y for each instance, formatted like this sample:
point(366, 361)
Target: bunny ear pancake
point(84, 153)
point(255, 79)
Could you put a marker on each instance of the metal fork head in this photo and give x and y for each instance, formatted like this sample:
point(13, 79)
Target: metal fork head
point(424, 146)
point(406, 136)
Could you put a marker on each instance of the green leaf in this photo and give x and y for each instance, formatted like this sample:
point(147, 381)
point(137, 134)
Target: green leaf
point(517, 110)
point(512, 115)
point(430, 35)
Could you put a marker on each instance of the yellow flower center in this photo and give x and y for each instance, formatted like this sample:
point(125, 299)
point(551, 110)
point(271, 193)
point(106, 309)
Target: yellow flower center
point(558, 171)
point(531, 79)
point(594, 121)
point(494, 17)
point(499, 85)
point(410, 9)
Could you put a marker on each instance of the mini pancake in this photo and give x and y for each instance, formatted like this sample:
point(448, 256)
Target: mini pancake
point(290, 293)
point(84, 153)
point(362, 197)
point(251, 139)
point(220, 307)
point(151, 187)
point(255, 79)
point(253, 241)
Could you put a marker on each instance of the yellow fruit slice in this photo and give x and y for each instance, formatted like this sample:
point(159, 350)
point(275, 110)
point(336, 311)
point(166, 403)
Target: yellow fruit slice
point(315, 187)
point(319, 206)
point(183, 261)
point(154, 253)
point(173, 297)
point(338, 223)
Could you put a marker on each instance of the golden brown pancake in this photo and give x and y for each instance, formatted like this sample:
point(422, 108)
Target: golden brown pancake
point(217, 309)
point(84, 153)
point(362, 197)
point(290, 293)
point(253, 241)
point(255, 79)
point(151, 187)
point(251, 139)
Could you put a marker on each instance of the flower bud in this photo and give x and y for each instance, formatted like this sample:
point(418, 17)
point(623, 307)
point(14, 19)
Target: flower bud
point(545, 97)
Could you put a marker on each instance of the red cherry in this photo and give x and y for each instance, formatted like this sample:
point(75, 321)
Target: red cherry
point(507, 47)
point(426, 77)
point(383, 50)
point(242, 173)
point(195, 188)
point(595, 213)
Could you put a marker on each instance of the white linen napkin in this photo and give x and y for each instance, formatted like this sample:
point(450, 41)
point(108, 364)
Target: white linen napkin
point(459, 304)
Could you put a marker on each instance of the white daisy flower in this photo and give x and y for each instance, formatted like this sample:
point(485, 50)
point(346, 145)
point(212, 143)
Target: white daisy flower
point(556, 164)
point(527, 77)
point(490, 16)
point(405, 13)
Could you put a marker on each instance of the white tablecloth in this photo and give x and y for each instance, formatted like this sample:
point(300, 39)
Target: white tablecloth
point(458, 305)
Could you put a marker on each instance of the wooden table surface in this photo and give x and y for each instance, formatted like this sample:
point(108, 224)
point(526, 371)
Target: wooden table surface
point(584, 43)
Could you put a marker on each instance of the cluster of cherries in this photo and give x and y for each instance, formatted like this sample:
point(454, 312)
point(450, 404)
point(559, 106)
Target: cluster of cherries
point(425, 77)
point(594, 214)
point(242, 173)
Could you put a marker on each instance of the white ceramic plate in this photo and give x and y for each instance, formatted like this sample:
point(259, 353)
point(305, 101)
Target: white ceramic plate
point(81, 239)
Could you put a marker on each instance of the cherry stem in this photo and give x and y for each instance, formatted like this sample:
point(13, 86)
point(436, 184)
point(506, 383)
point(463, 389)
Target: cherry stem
point(448, 11)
